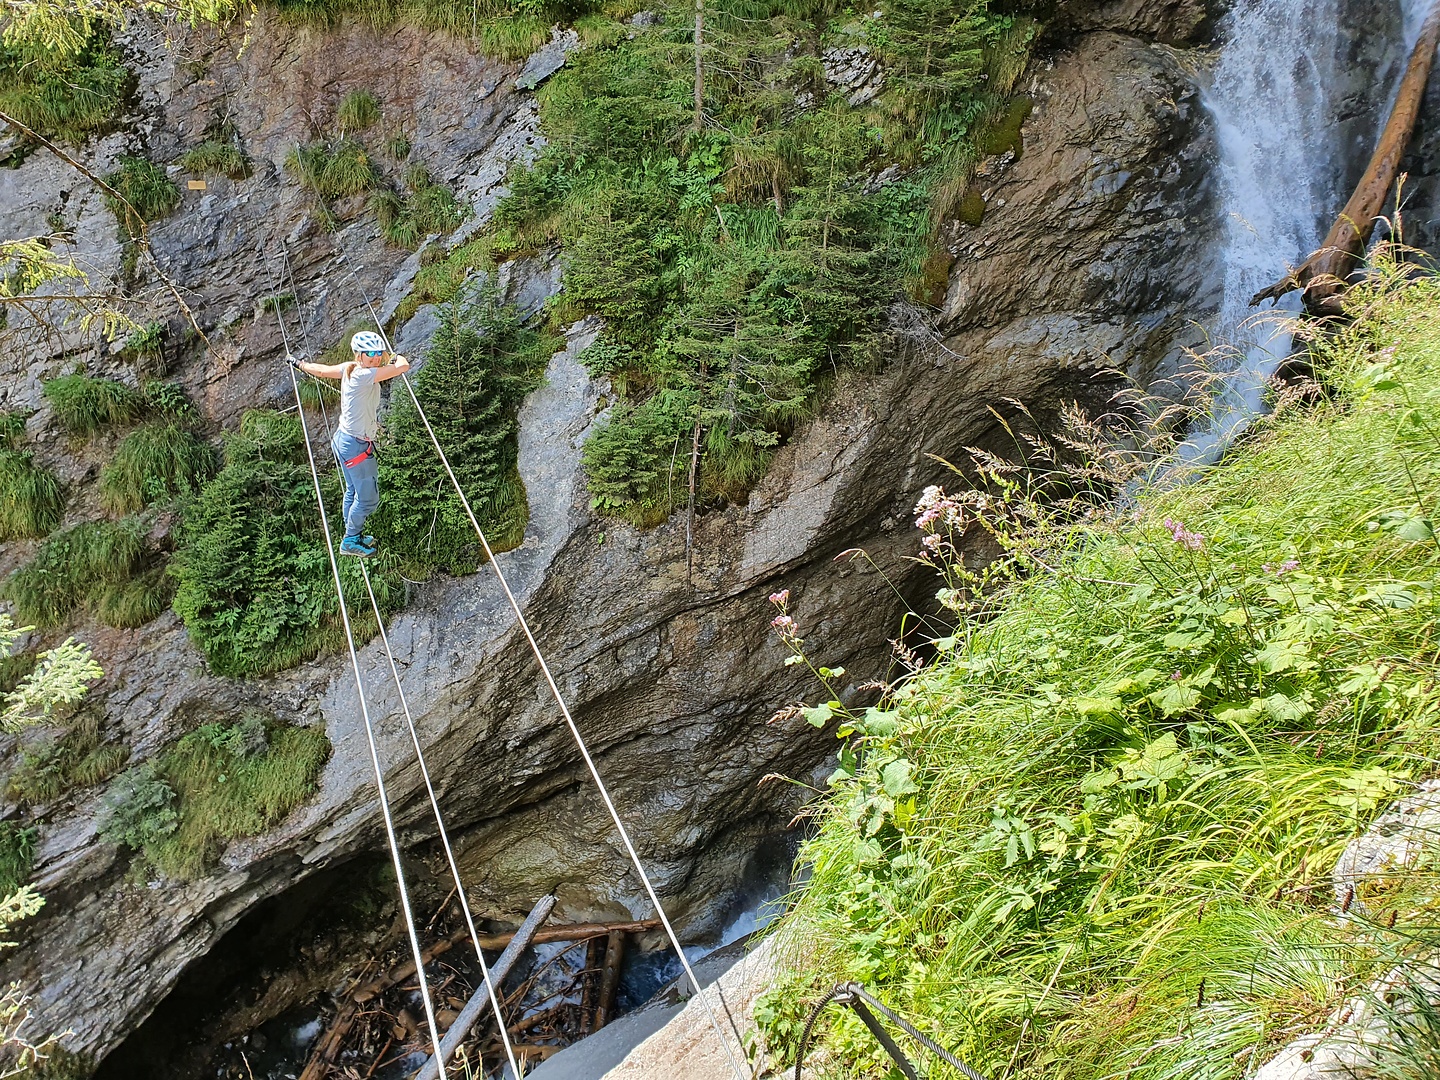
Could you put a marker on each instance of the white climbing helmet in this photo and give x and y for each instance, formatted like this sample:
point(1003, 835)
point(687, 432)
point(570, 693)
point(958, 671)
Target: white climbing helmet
point(367, 341)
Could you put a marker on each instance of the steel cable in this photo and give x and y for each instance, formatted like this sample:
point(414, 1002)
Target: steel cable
point(414, 738)
point(365, 713)
point(660, 913)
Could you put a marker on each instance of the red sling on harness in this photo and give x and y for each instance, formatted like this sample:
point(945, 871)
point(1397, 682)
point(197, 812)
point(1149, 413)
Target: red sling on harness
point(358, 458)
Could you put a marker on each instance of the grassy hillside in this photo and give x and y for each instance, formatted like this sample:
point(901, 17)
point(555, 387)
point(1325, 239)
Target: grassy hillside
point(1095, 837)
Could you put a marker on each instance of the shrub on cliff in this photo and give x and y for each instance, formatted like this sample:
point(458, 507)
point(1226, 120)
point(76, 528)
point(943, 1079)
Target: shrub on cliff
point(1108, 812)
point(254, 584)
point(60, 94)
point(479, 368)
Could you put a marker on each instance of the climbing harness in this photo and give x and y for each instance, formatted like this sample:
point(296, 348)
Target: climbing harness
point(369, 450)
point(426, 995)
point(855, 996)
point(524, 624)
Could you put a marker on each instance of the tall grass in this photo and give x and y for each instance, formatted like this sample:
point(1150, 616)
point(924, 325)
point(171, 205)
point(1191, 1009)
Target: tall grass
point(1094, 838)
point(17, 853)
point(334, 170)
point(83, 405)
point(31, 500)
point(154, 462)
point(75, 568)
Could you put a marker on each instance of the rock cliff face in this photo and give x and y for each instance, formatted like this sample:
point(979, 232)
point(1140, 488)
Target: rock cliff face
point(1090, 260)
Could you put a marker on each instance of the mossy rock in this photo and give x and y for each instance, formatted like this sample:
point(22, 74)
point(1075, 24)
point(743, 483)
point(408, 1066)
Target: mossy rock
point(972, 208)
point(1005, 133)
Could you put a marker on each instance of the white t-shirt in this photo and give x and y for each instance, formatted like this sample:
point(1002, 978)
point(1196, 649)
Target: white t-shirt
point(359, 403)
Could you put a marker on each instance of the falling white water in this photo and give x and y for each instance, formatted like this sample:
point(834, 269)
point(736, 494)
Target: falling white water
point(1282, 165)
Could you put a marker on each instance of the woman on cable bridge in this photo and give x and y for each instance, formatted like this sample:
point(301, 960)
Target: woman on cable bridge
point(354, 441)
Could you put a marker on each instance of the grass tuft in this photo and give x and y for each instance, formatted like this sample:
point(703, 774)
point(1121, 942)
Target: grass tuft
point(359, 110)
point(156, 461)
point(83, 405)
point(75, 568)
point(31, 500)
point(144, 193)
point(17, 855)
point(78, 760)
point(216, 157)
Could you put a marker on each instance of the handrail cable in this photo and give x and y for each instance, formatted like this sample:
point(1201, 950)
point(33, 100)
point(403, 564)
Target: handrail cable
point(365, 712)
point(560, 700)
point(419, 753)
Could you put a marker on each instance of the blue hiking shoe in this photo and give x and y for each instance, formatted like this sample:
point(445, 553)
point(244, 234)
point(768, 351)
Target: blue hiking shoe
point(355, 545)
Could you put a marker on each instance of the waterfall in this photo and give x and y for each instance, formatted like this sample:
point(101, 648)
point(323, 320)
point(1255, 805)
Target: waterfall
point(1282, 175)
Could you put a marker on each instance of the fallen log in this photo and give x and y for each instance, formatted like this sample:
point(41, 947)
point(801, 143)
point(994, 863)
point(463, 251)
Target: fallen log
point(610, 978)
point(518, 942)
point(1322, 276)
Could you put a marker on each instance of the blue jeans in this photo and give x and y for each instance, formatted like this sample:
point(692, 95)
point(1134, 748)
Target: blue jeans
point(362, 482)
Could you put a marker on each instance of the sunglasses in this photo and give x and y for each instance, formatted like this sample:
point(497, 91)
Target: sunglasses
point(372, 352)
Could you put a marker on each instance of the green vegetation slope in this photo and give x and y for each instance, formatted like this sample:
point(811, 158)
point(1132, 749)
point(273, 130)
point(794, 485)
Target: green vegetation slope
point(1095, 837)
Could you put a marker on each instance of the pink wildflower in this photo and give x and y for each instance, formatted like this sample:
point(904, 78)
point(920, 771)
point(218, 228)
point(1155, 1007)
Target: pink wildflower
point(935, 506)
point(780, 598)
point(1183, 536)
point(784, 623)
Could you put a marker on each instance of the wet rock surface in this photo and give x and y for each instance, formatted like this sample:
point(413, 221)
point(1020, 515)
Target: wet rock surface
point(1087, 258)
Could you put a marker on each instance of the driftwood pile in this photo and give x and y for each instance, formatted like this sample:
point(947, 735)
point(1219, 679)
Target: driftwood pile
point(375, 1025)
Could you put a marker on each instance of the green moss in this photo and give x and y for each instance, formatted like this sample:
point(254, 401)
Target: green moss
point(83, 405)
point(971, 209)
point(31, 500)
point(1005, 133)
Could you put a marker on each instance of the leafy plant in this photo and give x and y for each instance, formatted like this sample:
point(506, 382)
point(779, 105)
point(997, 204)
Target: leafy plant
point(83, 405)
point(12, 427)
point(1109, 810)
point(31, 500)
point(155, 461)
point(143, 193)
point(427, 208)
point(140, 809)
point(46, 684)
point(168, 400)
point(146, 343)
point(477, 371)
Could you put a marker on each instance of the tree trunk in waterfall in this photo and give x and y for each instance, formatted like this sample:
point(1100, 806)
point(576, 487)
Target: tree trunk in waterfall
point(699, 66)
point(1322, 276)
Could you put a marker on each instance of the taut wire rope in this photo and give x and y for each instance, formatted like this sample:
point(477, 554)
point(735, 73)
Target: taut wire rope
point(740, 1073)
point(365, 715)
point(420, 758)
